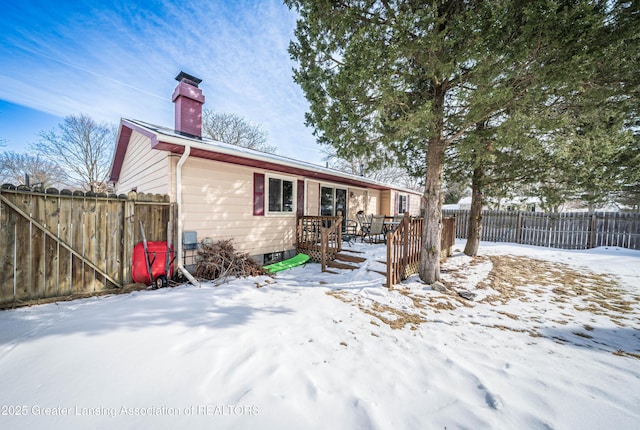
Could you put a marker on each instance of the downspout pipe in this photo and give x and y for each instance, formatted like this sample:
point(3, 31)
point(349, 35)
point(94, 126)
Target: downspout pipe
point(183, 270)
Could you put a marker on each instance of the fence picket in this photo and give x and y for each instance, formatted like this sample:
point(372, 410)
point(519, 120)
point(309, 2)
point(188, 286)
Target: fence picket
point(64, 233)
point(571, 230)
point(52, 247)
point(8, 242)
point(23, 269)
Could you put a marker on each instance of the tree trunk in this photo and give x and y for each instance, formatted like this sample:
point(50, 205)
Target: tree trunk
point(474, 232)
point(430, 252)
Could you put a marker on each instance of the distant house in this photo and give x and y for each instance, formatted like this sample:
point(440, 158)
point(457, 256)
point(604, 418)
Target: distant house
point(464, 203)
point(520, 203)
point(225, 191)
point(581, 206)
point(526, 204)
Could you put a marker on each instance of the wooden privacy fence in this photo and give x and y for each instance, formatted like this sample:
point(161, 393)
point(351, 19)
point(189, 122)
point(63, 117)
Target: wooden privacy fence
point(57, 243)
point(405, 243)
point(571, 230)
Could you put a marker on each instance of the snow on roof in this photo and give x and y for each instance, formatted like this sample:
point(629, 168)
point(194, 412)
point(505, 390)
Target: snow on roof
point(212, 145)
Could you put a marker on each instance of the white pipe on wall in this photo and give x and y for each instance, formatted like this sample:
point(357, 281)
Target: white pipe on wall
point(183, 159)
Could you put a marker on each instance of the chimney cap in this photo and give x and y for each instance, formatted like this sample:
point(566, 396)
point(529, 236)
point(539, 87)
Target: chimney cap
point(182, 76)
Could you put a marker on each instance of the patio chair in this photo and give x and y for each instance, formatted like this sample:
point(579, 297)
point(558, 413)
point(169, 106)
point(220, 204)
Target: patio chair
point(349, 231)
point(364, 223)
point(376, 230)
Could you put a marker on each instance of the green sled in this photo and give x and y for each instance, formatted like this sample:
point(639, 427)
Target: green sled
point(287, 264)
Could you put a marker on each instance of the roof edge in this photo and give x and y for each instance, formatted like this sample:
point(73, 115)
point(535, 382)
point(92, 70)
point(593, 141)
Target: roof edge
point(168, 140)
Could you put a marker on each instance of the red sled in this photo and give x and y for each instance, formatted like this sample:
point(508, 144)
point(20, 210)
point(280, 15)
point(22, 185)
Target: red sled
point(157, 258)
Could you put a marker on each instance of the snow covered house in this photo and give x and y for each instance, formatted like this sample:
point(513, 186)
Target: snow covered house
point(522, 203)
point(224, 191)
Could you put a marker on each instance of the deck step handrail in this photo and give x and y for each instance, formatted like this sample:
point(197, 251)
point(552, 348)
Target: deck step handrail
point(320, 237)
point(404, 246)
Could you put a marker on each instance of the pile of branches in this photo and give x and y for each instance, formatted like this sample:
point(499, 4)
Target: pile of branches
point(219, 260)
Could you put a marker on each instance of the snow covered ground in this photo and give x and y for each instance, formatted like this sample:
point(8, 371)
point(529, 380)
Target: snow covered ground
point(551, 340)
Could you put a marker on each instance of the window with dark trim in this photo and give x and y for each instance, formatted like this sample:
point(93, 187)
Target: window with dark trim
point(280, 195)
point(402, 203)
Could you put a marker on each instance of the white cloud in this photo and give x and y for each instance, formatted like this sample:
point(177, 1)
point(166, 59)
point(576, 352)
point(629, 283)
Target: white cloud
point(119, 60)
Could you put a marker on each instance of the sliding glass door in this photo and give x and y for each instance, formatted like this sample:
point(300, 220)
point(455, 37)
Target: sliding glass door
point(332, 201)
point(326, 201)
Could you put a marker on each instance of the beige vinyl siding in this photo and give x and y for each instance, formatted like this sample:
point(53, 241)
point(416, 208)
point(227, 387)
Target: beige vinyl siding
point(218, 203)
point(373, 203)
point(143, 168)
point(389, 201)
point(414, 204)
point(313, 198)
point(385, 202)
point(357, 201)
point(172, 163)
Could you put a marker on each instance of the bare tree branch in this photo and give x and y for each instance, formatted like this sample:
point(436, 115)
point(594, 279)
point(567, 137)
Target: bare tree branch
point(233, 129)
point(81, 147)
point(14, 166)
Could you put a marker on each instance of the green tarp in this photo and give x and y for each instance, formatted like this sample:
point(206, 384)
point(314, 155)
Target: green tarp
point(287, 264)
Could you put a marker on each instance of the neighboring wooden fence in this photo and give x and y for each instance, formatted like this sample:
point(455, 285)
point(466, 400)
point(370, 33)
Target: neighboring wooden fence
point(58, 243)
point(405, 243)
point(572, 230)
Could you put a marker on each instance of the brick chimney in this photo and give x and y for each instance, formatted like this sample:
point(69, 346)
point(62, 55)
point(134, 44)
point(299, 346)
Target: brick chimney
point(189, 100)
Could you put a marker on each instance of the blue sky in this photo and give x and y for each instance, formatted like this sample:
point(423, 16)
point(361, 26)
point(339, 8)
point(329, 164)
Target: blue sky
point(111, 59)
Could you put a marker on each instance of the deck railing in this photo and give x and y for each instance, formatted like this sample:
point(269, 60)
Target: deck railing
point(405, 243)
point(320, 237)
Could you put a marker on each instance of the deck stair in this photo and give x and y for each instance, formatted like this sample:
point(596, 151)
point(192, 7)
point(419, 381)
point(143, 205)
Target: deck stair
point(349, 258)
point(338, 265)
point(342, 261)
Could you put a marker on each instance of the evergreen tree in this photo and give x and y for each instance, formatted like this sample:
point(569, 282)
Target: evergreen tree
point(411, 79)
point(568, 147)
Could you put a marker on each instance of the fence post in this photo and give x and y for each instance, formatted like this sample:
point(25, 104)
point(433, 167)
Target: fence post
point(128, 236)
point(324, 238)
point(390, 263)
point(519, 228)
point(339, 222)
point(592, 231)
point(405, 237)
point(298, 230)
